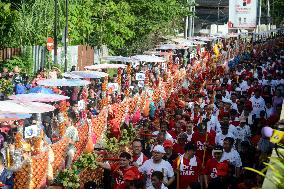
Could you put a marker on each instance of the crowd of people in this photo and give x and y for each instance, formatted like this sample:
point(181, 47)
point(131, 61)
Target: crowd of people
point(209, 130)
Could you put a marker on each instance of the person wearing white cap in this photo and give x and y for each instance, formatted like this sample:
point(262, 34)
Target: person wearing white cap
point(156, 163)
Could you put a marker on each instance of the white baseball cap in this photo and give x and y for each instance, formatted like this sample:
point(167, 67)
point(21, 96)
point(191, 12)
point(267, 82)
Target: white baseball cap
point(159, 148)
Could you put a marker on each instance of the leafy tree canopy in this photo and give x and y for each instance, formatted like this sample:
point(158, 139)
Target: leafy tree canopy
point(123, 25)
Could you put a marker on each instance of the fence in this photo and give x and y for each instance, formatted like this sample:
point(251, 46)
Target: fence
point(8, 53)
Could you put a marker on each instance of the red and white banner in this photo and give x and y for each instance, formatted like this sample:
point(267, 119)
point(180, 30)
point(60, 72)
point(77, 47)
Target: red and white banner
point(242, 14)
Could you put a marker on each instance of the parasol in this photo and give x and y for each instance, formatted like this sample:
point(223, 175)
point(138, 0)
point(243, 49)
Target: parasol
point(90, 74)
point(63, 82)
point(13, 117)
point(41, 90)
point(119, 59)
point(105, 66)
point(148, 58)
point(10, 106)
point(69, 75)
point(168, 46)
point(38, 97)
point(199, 42)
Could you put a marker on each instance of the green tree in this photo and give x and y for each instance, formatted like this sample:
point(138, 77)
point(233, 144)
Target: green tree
point(7, 19)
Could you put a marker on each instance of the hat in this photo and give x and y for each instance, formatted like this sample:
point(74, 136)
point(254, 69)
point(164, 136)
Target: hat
point(159, 148)
point(168, 144)
point(131, 175)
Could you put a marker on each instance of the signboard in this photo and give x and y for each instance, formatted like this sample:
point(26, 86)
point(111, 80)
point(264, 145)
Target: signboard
point(242, 14)
point(49, 44)
point(31, 131)
point(141, 84)
point(140, 76)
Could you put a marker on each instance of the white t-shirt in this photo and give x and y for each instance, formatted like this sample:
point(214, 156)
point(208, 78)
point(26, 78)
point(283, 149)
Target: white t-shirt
point(149, 167)
point(258, 104)
point(167, 137)
point(213, 124)
point(233, 157)
point(219, 139)
point(243, 133)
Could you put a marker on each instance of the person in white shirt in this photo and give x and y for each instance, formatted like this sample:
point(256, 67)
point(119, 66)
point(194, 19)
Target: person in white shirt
point(213, 123)
point(269, 110)
point(158, 164)
point(231, 155)
point(258, 103)
point(163, 129)
point(243, 133)
point(223, 134)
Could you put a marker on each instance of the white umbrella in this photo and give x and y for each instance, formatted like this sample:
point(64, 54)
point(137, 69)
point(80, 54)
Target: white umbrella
point(112, 58)
point(105, 66)
point(38, 97)
point(63, 82)
point(199, 42)
point(10, 106)
point(69, 75)
point(168, 46)
point(148, 58)
point(90, 74)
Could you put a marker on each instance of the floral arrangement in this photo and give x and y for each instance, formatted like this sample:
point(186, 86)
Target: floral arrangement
point(115, 145)
point(6, 87)
point(69, 178)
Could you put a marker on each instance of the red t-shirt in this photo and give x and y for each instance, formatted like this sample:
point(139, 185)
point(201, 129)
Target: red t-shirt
point(178, 148)
point(189, 174)
point(199, 141)
point(213, 167)
point(173, 134)
point(118, 180)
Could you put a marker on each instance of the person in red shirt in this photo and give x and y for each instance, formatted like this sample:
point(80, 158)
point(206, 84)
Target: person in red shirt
point(138, 157)
point(178, 147)
point(119, 169)
point(214, 168)
point(175, 132)
point(204, 142)
point(188, 167)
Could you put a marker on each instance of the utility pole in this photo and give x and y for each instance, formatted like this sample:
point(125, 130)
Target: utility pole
point(186, 25)
point(55, 31)
point(268, 14)
point(259, 16)
point(66, 36)
point(218, 16)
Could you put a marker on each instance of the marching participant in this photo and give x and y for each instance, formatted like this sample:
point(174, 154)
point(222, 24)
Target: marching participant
point(157, 164)
point(188, 167)
point(118, 170)
point(138, 157)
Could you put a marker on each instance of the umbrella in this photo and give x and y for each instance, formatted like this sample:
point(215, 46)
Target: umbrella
point(69, 75)
point(13, 117)
point(119, 59)
point(168, 46)
point(105, 66)
point(148, 58)
point(38, 97)
point(63, 82)
point(90, 74)
point(41, 90)
point(10, 106)
point(112, 58)
point(199, 42)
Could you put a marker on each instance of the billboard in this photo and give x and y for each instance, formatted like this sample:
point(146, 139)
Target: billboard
point(242, 14)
